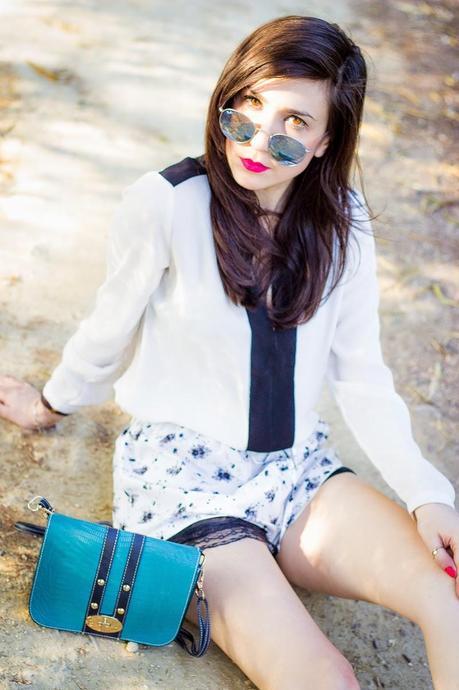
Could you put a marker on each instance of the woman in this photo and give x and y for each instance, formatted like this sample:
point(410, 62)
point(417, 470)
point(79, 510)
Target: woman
point(237, 283)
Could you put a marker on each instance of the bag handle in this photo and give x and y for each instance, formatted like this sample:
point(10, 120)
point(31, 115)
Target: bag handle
point(184, 637)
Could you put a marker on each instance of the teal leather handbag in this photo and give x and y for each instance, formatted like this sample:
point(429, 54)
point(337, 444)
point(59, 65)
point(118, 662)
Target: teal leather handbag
point(92, 578)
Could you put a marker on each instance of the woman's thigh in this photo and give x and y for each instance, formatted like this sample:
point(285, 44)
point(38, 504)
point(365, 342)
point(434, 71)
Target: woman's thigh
point(258, 620)
point(352, 541)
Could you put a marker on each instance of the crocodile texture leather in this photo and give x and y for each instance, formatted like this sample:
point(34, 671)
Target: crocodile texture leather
point(162, 582)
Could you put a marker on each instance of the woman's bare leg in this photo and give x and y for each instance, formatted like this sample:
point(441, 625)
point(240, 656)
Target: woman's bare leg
point(258, 620)
point(352, 541)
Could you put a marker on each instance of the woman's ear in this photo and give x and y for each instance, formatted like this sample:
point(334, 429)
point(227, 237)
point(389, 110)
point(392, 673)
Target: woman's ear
point(321, 147)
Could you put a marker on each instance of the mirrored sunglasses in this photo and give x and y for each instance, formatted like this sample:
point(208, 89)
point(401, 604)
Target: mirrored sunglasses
point(240, 128)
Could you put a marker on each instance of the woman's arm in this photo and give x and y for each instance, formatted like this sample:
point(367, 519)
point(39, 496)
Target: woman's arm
point(93, 358)
point(363, 386)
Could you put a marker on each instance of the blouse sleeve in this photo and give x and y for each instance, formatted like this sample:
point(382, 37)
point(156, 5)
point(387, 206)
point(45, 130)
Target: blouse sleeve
point(363, 387)
point(137, 254)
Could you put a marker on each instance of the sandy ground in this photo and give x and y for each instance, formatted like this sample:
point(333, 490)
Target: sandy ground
point(94, 94)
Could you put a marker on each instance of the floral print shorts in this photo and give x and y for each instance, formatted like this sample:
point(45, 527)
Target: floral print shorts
point(171, 482)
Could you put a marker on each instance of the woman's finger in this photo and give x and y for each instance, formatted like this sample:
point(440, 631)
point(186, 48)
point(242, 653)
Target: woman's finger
point(445, 561)
point(443, 558)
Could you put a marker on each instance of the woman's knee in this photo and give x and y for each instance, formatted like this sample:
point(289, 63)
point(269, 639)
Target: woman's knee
point(258, 620)
point(345, 678)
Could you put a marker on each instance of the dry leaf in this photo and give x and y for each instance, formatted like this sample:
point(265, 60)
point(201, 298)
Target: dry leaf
point(58, 74)
point(439, 347)
point(436, 289)
point(420, 395)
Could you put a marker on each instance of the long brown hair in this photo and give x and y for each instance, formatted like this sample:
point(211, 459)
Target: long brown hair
point(317, 214)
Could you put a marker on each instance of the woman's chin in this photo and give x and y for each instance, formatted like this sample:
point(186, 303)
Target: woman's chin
point(248, 180)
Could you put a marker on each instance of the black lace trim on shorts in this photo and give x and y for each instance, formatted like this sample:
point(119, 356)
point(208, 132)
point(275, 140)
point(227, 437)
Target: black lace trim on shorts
point(219, 530)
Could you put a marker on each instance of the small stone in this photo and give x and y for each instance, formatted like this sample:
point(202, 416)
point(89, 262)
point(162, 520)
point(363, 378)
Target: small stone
point(132, 647)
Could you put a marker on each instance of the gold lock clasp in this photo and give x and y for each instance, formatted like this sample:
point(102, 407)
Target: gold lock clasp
point(104, 624)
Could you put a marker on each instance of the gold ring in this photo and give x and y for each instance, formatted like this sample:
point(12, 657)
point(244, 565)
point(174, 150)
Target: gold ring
point(434, 552)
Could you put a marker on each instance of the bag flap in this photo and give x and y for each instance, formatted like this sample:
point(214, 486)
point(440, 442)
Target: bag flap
point(68, 571)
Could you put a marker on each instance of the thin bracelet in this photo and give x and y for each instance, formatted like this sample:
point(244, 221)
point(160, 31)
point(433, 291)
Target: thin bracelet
point(48, 406)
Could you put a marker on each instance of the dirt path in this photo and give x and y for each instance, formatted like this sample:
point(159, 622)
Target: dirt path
point(89, 96)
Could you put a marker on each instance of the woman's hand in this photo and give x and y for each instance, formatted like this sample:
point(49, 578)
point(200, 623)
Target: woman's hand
point(438, 525)
point(20, 403)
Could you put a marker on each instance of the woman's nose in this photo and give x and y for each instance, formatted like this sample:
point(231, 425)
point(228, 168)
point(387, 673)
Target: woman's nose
point(260, 140)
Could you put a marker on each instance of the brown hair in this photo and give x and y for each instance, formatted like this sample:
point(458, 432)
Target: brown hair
point(317, 212)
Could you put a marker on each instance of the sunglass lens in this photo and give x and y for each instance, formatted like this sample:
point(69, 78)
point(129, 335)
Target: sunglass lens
point(286, 150)
point(236, 126)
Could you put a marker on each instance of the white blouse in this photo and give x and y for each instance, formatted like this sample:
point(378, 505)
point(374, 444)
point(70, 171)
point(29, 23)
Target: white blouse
point(165, 337)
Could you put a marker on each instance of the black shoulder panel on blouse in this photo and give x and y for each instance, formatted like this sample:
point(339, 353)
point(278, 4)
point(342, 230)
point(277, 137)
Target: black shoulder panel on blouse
point(184, 169)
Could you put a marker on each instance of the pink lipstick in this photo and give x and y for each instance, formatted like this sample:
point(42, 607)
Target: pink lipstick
point(253, 166)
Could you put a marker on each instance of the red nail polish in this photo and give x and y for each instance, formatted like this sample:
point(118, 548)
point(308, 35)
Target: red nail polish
point(451, 572)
